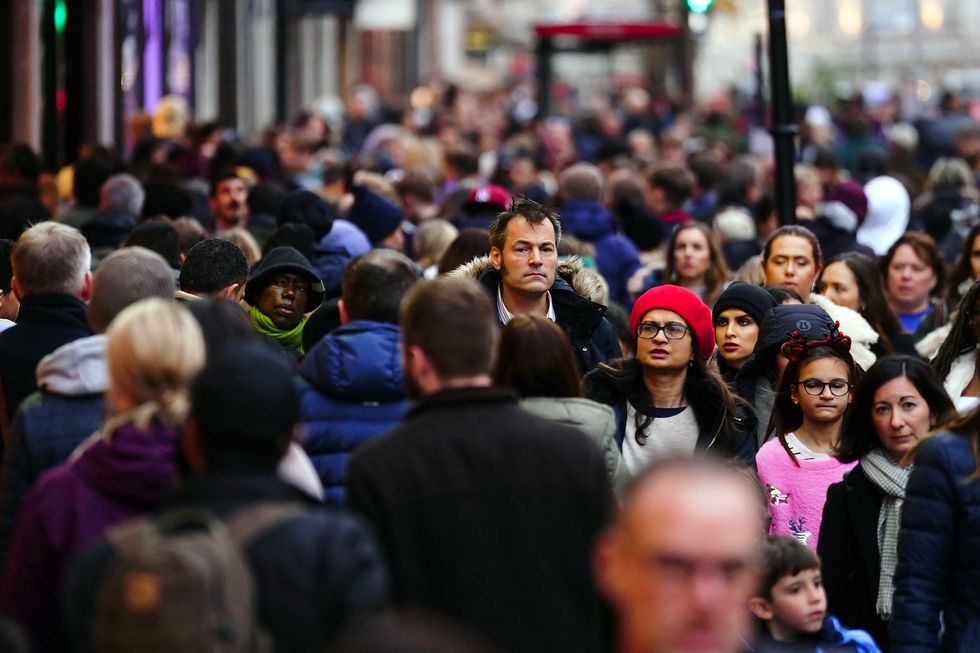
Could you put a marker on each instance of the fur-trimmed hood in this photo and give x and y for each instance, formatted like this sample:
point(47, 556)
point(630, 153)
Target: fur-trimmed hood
point(583, 280)
point(854, 326)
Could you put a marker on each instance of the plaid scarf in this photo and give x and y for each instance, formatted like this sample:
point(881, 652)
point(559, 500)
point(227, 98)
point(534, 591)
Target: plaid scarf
point(885, 474)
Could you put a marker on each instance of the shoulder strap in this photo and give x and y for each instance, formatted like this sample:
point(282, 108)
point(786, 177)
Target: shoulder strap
point(248, 524)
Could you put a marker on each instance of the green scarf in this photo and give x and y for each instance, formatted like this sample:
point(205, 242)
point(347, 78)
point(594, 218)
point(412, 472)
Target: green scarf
point(292, 339)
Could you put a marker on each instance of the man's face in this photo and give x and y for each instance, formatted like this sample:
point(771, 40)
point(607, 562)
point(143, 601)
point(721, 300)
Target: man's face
point(283, 300)
point(228, 205)
point(529, 258)
point(681, 565)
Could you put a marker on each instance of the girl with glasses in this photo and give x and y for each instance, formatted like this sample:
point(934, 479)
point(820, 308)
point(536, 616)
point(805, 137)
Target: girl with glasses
point(798, 465)
point(667, 400)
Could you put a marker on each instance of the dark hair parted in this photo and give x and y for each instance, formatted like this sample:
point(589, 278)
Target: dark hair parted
point(211, 266)
point(704, 390)
point(871, 288)
point(717, 274)
point(799, 232)
point(925, 248)
point(784, 556)
point(454, 322)
point(471, 243)
point(535, 359)
point(963, 269)
point(962, 338)
point(522, 207)
point(858, 436)
point(786, 415)
point(375, 283)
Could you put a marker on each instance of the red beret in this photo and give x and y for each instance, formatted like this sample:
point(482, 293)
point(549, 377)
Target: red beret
point(686, 304)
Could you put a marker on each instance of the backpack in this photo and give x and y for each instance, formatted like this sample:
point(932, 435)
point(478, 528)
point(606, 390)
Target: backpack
point(182, 583)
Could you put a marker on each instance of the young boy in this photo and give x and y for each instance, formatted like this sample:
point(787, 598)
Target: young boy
point(792, 605)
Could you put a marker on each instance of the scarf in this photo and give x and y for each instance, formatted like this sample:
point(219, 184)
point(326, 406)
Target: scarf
point(292, 339)
point(891, 479)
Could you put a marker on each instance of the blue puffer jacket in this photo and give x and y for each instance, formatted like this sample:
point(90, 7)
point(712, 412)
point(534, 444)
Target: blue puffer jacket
point(616, 255)
point(939, 552)
point(354, 393)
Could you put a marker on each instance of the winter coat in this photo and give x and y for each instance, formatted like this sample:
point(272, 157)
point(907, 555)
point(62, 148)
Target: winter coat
point(353, 392)
point(573, 296)
point(848, 549)
point(315, 573)
point(598, 421)
point(831, 638)
point(488, 514)
point(616, 255)
point(938, 573)
point(45, 322)
point(854, 326)
point(740, 443)
point(51, 423)
point(112, 478)
point(960, 375)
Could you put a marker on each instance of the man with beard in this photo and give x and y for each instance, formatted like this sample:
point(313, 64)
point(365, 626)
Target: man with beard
point(229, 206)
point(486, 513)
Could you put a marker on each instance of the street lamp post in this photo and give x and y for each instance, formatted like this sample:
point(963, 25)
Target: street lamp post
point(784, 130)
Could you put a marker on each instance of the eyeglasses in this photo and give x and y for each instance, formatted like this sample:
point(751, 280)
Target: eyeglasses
point(672, 330)
point(814, 387)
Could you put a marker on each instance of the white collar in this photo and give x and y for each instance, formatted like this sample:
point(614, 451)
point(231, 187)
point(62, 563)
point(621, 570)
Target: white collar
point(506, 316)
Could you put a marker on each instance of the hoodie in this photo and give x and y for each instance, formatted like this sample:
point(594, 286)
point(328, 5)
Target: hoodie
point(50, 423)
point(616, 255)
point(112, 478)
point(888, 214)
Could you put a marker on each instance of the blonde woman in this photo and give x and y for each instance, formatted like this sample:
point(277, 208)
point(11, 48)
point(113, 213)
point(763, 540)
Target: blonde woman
point(154, 348)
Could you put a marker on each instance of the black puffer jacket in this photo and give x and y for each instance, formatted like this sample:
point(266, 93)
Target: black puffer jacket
point(573, 296)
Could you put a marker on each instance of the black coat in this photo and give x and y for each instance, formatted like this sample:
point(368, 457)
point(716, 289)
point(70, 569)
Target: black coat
point(848, 549)
point(45, 322)
point(314, 573)
point(939, 552)
point(488, 514)
point(19, 209)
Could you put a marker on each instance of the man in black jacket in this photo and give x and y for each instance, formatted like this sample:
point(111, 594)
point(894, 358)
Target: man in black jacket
point(523, 276)
point(486, 513)
point(52, 281)
point(314, 572)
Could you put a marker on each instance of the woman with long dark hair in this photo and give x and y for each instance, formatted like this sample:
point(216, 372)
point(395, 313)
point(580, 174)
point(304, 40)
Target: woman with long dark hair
point(694, 261)
point(956, 361)
point(666, 398)
point(897, 402)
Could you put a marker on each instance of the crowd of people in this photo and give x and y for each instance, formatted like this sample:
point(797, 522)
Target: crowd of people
point(493, 385)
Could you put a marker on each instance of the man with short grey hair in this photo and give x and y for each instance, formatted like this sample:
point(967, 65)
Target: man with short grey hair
point(120, 202)
point(52, 281)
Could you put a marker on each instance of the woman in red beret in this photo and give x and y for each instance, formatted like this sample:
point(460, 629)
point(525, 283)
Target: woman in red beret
point(667, 400)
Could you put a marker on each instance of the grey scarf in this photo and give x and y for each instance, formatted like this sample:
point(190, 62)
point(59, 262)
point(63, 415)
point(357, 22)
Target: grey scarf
point(886, 475)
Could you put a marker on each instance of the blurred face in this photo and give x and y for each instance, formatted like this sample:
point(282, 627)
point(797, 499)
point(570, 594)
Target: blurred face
point(283, 300)
point(529, 259)
point(798, 606)
point(901, 416)
point(825, 405)
point(735, 334)
point(522, 174)
point(791, 263)
point(661, 353)
point(839, 285)
point(228, 205)
point(975, 258)
point(681, 566)
point(910, 280)
point(692, 257)
point(810, 194)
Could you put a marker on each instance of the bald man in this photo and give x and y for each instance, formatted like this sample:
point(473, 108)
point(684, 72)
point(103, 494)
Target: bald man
point(680, 562)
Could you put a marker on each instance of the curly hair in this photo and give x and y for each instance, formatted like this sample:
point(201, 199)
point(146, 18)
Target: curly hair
point(963, 269)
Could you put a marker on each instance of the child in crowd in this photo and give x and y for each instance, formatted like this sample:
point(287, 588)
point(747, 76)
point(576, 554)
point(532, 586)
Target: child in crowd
point(792, 605)
point(798, 465)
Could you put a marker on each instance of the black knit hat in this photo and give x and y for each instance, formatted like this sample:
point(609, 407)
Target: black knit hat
point(744, 296)
point(374, 215)
point(284, 259)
